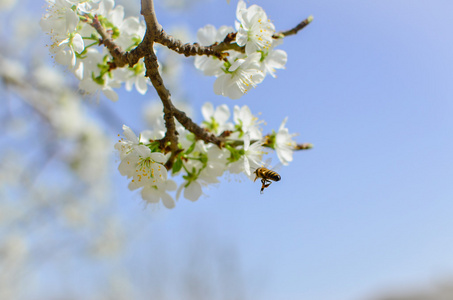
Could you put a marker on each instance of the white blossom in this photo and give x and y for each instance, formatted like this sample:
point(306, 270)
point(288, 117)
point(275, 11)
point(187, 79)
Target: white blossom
point(138, 162)
point(125, 146)
point(253, 154)
point(133, 76)
point(240, 77)
point(200, 164)
point(216, 120)
point(61, 23)
point(247, 122)
point(145, 167)
point(254, 29)
point(215, 165)
point(284, 144)
point(155, 193)
point(192, 190)
point(208, 35)
point(273, 59)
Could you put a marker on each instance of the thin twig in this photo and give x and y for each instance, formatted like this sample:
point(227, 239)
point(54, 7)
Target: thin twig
point(119, 56)
point(304, 146)
point(294, 30)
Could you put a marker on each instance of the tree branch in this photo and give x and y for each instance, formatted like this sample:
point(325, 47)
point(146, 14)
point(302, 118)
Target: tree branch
point(187, 49)
point(294, 30)
point(148, 12)
point(155, 34)
point(120, 58)
point(170, 141)
point(200, 133)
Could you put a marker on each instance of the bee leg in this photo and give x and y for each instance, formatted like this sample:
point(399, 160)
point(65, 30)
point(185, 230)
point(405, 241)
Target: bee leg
point(265, 183)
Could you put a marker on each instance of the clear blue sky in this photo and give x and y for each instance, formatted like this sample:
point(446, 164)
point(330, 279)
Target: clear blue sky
point(369, 83)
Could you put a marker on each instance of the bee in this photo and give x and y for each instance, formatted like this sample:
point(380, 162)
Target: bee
point(266, 176)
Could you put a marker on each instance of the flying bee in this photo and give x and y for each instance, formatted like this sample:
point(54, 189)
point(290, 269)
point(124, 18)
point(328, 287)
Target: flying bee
point(266, 176)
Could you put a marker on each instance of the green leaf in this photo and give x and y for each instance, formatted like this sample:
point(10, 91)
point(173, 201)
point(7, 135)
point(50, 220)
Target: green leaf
point(190, 149)
point(177, 166)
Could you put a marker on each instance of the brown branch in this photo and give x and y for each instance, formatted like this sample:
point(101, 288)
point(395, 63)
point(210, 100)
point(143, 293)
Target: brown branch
point(155, 33)
point(170, 141)
point(229, 43)
point(148, 12)
point(294, 30)
point(200, 133)
point(187, 49)
point(120, 58)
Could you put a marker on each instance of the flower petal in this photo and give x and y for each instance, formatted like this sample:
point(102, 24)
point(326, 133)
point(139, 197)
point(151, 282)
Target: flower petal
point(193, 191)
point(77, 43)
point(168, 200)
point(150, 194)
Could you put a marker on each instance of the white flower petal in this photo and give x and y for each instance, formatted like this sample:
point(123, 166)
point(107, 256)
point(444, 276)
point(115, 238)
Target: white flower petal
point(142, 151)
point(222, 114)
point(72, 19)
point(246, 141)
point(168, 201)
point(110, 93)
point(158, 157)
point(193, 191)
point(170, 185)
point(78, 70)
point(141, 84)
point(129, 134)
point(150, 194)
point(247, 166)
point(127, 165)
point(77, 43)
point(206, 35)
point(207, 110)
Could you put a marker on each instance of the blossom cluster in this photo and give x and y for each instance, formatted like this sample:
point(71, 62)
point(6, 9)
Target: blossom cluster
point(75, 43)
point(198, 163)
point(242, 71)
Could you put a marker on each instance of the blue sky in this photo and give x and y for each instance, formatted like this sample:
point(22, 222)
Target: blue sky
point(369, 207)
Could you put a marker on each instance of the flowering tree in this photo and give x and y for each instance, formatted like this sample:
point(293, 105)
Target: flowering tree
point(104, 50)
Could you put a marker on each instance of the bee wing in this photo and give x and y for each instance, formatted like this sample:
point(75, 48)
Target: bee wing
point(277, 167)
point(267, 162)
